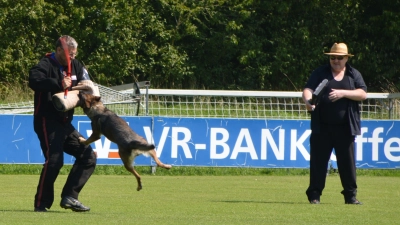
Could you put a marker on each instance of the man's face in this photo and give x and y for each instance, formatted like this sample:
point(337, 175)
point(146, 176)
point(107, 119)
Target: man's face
point(61, 55)
point(338, 62)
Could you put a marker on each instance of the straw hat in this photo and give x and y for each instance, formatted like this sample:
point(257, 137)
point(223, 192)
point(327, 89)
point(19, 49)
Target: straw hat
point(339, 49)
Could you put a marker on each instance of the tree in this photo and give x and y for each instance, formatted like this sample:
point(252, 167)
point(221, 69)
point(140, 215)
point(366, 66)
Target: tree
point(211, 44)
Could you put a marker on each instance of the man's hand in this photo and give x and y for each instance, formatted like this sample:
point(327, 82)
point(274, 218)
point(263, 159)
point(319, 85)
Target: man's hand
point(335, 95)
point(309, 106)
point(307, 96)
point(355, 95)
point(66, 82)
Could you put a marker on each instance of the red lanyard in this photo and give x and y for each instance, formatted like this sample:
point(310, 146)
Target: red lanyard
point(67, 57)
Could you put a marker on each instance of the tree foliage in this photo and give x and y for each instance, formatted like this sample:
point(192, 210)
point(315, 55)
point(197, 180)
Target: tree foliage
point(210, 44)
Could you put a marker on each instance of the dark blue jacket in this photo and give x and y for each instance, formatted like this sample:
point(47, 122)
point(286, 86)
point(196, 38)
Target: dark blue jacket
point(356, 82)
point(45, 79)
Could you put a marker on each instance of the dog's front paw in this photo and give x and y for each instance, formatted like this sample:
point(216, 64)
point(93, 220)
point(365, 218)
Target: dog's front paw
point(82, 140)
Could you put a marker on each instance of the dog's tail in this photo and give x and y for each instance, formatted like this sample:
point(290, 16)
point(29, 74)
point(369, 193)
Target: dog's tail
point(141, 146)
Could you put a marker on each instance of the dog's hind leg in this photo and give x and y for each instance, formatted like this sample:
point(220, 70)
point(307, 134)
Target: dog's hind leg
point(141, 144)
point(127, 159)
point(153, 154)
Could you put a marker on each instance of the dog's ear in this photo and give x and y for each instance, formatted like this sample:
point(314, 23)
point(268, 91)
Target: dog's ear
point(81, 99)
point(97, 98)
point(88, 103)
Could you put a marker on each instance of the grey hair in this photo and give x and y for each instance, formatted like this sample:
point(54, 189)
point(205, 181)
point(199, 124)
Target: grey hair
point(70, 41)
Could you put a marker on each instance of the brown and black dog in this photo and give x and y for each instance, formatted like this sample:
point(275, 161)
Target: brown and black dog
point(106, 122)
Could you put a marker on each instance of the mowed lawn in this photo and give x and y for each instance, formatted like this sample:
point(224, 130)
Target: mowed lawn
point(204, 200)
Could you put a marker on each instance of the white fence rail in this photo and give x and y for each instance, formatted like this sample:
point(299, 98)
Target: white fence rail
point(251, 104)
point(220, 104)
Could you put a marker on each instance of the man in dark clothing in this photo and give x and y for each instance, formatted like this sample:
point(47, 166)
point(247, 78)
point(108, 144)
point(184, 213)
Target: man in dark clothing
point(55, 130)
point(335, 121)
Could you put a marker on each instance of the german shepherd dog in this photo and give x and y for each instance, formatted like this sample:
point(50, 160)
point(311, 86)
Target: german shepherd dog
point(106, 122)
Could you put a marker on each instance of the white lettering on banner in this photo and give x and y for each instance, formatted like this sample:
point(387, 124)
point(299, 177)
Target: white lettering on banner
point(375, 140)
point(266, 137)
point(161, 143)
point(200, 146)
point(221, 142)
point(298, 144)
point(244, 134)
point(359, 144)
point(389, 148)
point(220, 149)
point(183, 143)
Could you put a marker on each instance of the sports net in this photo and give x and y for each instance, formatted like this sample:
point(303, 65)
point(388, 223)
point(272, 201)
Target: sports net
point(138, 99)
point(126, 103)
point(254, 104)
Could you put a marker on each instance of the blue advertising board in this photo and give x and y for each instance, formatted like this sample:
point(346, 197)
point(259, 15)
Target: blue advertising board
point(211, 142)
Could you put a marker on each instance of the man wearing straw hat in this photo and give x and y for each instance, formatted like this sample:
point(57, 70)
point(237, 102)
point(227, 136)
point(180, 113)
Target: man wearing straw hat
point(54, 128)
point(335, 121)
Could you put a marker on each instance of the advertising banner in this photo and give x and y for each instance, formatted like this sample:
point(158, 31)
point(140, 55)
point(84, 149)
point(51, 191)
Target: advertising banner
point(213, 142)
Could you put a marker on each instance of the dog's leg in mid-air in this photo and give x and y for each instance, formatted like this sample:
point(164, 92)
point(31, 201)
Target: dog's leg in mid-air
point(88, 141)
point(149, 149)
point(127, 159)
point(94, 137)
point(153, 154)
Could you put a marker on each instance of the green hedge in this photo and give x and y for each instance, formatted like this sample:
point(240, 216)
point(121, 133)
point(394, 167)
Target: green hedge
point(35, 169)
point(212, 44)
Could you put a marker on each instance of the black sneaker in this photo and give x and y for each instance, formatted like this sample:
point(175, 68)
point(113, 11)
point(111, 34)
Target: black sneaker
point(40, 209)
point(353, 201)
point(315, 201)
point(73, 204)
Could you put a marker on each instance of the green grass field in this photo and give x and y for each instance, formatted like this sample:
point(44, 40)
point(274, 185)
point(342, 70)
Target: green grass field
point(205, 199)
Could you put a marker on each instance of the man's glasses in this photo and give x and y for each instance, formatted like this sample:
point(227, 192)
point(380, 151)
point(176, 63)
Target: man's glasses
point(72, 54)
point(337, 57)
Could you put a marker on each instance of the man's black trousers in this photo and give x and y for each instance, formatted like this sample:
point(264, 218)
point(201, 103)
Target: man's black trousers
point(56, 138)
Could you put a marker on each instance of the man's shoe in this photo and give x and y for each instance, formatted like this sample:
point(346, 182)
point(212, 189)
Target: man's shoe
point(73, 204)
point(315, 201)
point(353, 201)
point(40, 209)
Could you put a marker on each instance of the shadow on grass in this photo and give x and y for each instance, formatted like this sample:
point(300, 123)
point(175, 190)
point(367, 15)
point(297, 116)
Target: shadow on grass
point(26, 210)
point(263, 202)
